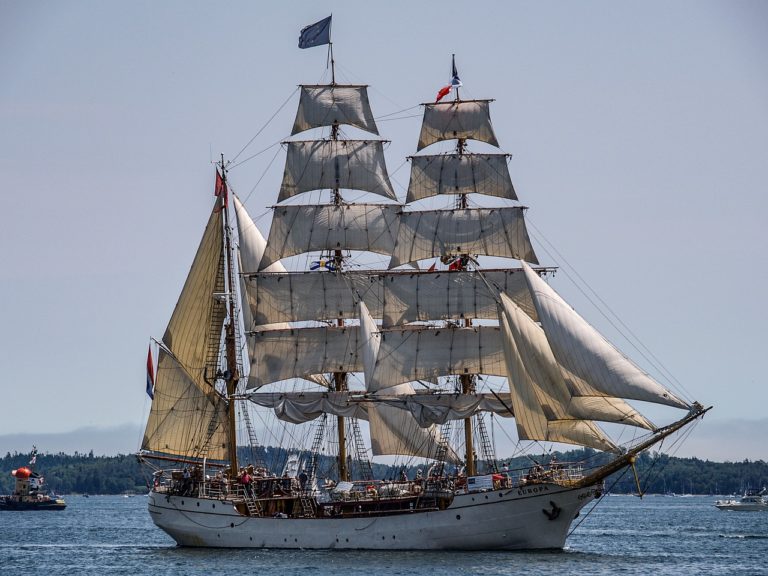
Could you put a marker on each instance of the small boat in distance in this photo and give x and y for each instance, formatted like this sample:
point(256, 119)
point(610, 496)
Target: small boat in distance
point(28, 493)
point(751, 501)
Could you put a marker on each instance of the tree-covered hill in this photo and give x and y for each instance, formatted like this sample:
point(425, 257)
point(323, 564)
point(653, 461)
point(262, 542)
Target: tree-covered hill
point(89, 474)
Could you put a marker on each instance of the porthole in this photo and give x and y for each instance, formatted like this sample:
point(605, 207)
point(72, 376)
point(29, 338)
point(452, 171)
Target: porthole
point(231, 524)
point(458, 516)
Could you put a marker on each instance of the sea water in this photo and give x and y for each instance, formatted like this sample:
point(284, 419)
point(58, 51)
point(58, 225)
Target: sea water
point(621, 535)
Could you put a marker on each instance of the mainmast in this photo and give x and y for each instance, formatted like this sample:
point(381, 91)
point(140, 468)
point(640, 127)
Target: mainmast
point(339, 378)
point(232, 373)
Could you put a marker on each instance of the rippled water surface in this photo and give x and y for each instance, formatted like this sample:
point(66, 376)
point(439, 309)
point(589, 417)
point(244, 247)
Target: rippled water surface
point(622, 534)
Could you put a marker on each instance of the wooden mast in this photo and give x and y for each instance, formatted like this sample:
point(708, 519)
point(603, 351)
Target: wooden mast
point(339, 378)
point(466, 380)
point(232, 374)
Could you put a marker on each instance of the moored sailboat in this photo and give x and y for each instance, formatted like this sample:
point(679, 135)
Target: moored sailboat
point(417, 357)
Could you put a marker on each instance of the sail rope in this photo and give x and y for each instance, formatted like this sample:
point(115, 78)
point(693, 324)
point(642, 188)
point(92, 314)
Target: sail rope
point(599, 501)
point(263, 128)
point(612, 318)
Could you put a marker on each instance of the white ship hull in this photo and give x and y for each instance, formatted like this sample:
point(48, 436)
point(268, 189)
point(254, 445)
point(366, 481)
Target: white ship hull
point(514, 519)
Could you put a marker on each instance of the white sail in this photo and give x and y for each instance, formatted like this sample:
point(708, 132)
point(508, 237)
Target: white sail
point(301, 353)
point(303, 296)
point(460, 174)
point(584, 352)
point(371, 344)
point(334, 164)
point(412, 354)
point(188, 418)
point(393, 431)
point(424, 296)
point(550, 378)
point(301, 229)
point(327, 105)
point(251, 250)
point(396, 432)
point(538, 393)
point(487, 231)
point(397, 297)
point(453, 120)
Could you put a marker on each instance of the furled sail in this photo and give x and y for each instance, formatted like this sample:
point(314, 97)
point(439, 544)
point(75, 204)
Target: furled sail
point(460, 174)
point(302, 352)
point(333, 164)
point(426, 408)
point(457, 119)
point(425, 353)
point(299, 407)
point(488, 231)
point(300, 229)
point(188, 418)
point(327, 105)
point(440, 408)
point(539, 397)
point(585, 353)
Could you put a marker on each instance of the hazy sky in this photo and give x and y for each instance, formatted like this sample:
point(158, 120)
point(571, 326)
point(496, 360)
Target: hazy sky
point(639, 134)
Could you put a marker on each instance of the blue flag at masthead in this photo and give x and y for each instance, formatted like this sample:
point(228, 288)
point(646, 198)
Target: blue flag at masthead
point(316, 34)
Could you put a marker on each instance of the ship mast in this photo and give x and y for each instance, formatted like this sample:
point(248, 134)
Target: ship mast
point(232, 374)
point(339, 378)
point(467, 380)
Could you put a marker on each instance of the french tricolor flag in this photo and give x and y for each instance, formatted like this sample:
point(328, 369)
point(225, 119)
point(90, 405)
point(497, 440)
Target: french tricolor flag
point(150, 374)
point(455, 81)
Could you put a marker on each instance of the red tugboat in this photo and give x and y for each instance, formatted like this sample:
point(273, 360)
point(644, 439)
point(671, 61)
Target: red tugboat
point(29, 493)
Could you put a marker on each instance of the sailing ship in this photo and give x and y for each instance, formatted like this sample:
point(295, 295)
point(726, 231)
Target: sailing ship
point(360, 350)
point(29, 492)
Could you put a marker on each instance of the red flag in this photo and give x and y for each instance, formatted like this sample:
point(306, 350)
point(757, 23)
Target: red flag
point(150, 375)
point(443, 91)
point(220, 190)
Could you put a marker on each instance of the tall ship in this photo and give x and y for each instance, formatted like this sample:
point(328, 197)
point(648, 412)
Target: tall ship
point(363, 328)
